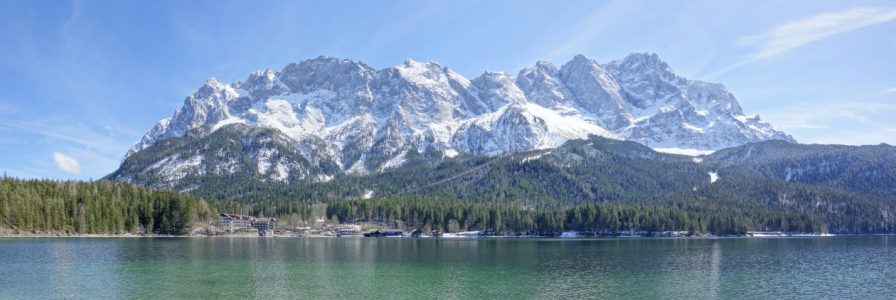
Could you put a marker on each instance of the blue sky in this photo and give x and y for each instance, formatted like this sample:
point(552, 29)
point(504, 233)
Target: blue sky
point(81, 82)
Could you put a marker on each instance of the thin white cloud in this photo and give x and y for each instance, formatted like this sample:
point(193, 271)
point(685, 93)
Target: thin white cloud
point(854, 123)
point(854, 137)
point(67, 163)
point(893, 90)
point(802, 126)
point(583, 33)
point(96, 147)
point(75, 133)
point(802, 32)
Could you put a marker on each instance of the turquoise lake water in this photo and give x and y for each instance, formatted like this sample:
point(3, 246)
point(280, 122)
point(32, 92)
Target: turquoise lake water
point(430, 268)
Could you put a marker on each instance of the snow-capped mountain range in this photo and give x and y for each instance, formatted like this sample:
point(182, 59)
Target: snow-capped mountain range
point(346, 112)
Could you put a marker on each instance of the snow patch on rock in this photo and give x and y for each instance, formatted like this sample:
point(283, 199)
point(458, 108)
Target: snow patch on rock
point(688, 152)
point(395, 162)
point(344, 108)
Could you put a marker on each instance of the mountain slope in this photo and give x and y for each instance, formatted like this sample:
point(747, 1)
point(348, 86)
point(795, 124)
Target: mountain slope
point(863, 169)
point(259, 153)
point(582, 172)
point(360, 120)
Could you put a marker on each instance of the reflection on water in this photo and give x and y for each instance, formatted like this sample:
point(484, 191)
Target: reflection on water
point(839, 267)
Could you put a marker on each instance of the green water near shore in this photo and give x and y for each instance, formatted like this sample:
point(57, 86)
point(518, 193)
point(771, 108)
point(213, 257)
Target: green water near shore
point(341, 268)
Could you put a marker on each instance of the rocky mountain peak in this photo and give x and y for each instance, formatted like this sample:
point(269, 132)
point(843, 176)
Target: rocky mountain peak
point(497, 89)
point(645, 63)
point(546, 68)
point(353, 118)
point(210, 87)
point(581, 59)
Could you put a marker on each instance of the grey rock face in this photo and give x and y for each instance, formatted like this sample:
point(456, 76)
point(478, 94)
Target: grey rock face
point(540, 86)
point(709, 117)
point(596, 91)
point(365, 120)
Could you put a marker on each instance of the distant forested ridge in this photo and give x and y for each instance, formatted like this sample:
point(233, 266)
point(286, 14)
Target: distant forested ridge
point(869, 169)
point(99, 207)
point(596, 185)
point(550, 184)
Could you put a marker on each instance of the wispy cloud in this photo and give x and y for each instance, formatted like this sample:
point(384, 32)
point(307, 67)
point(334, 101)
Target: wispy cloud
point(893, 90)
point(98, 150)
point(803, 126)
point(802, 32)
point(72, 132)
point(67, 163)
point(854, 137)
point(854, 123)
point(591, 27)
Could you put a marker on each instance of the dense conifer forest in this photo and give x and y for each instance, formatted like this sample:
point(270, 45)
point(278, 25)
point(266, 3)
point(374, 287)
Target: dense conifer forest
point(596, 185)
point(110, 208)
point(99, 207)
point(657, 192)
point(594, 218)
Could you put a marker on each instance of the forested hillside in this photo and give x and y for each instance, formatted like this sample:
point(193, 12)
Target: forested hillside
point(100, 207)
point(597, 185)
point(863, 169)
point(594, 219)
point(557, 181)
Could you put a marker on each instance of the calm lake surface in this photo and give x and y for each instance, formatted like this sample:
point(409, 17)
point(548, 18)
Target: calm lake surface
point(341, 268)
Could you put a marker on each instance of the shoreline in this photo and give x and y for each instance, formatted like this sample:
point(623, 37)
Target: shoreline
point(130, 235)
point(568, 235)
point(84, 235)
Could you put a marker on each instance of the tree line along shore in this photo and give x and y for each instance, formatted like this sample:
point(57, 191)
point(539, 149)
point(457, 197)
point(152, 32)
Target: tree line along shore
point(99, 208)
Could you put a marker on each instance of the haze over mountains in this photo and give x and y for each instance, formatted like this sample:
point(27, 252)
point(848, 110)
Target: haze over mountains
point(325, 116)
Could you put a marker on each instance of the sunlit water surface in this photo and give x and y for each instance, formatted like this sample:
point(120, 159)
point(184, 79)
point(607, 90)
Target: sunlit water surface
point(428, 268)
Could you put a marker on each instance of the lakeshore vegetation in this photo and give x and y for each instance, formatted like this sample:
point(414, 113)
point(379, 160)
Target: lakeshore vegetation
point(106, 207)
point(99, 207)
point(594, 185)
